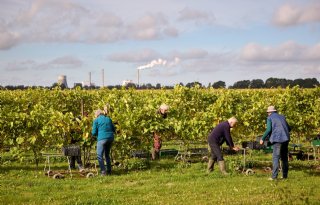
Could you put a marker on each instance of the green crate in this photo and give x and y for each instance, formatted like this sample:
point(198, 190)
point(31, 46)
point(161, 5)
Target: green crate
point(315, 142)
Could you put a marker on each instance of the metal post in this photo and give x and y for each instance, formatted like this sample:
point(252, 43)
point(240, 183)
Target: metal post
point(70, 171)
point(48, 160)
point(244, 159)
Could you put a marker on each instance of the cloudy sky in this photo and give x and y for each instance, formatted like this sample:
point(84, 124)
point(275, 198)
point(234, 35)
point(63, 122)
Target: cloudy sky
point(174, 40)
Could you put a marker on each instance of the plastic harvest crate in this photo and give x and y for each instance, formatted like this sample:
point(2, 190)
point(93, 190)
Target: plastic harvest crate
point(315, 142)
point(168, 152)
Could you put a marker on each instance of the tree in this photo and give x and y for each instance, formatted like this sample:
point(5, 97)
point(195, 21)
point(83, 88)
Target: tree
point(277, 82)
point(242, 84)
point(131, 85)
point(306, 83)
point(219, 84)
point(311, 82)
point(193, 84)
point(256, 83)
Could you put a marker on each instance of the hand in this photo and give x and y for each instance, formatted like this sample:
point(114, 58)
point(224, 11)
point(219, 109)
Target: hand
point(261, 142)
point(235, 149)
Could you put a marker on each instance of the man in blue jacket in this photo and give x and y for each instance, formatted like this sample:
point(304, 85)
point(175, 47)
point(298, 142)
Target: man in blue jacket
point(103, 128)
point(278, 131)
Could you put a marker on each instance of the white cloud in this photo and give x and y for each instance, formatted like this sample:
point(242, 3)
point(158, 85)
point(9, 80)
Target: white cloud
point(289, 59)
point(192, 53)
point(286, 52)
point(20, 65)
point(147, 54)
point(65, 21)
point(290, 15)
point(8, 39)
point(151, 26)
point(211, 63)
point(174, 62)
point(109, 20)
point(64, 62)
point(134, 56)
point(197, 16)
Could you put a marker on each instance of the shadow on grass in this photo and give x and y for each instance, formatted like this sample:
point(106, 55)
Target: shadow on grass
point(313, 172)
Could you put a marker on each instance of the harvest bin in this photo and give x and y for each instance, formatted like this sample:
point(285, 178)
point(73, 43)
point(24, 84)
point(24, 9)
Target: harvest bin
point(315, 142)
point(71, 150)
point(168, 152)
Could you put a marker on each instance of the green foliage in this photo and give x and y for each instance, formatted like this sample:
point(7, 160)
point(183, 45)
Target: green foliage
point(135, 164)
point(35, 120)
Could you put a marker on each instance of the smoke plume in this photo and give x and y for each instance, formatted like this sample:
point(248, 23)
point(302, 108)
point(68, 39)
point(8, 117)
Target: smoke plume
point(160, 62)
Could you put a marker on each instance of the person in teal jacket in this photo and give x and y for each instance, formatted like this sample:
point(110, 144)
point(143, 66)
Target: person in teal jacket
point(104, 130)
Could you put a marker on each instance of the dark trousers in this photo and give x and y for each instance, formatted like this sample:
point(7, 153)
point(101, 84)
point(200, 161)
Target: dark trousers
point(280, 151)
point(73, 160)
point(215, 150)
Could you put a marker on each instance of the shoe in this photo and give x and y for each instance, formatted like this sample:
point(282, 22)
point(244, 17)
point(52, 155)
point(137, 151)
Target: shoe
point(103, 173)
point(271, 179)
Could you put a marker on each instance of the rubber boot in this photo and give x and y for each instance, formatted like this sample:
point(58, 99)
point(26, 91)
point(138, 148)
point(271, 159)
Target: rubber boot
point(222, 167)
point(210, 166)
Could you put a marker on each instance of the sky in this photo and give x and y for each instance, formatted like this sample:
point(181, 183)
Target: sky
point(171, 41)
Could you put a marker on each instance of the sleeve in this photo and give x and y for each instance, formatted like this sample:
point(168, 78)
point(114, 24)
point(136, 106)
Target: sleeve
point(94, 128)
point(268, 130)
point(227, 135)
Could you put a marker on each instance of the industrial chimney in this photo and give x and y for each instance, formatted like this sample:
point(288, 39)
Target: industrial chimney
point(62, 80)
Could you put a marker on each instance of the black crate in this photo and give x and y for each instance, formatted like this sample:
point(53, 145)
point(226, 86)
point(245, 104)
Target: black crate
point(140, 154)
point(71, 150)
point(168, 152)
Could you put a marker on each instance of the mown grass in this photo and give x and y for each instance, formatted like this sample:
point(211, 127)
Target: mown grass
point(167, 182)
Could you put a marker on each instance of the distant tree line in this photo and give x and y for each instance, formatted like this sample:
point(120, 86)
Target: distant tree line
point(275, 83)
point(243, 84)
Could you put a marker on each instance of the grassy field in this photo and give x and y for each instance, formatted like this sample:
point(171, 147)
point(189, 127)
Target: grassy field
point(167, 182)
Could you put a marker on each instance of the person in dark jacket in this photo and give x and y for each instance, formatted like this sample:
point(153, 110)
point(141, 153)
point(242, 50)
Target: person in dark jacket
point(76, 140)
point(279, 132)
point(219, 135)
point(104, 130)
point(157, 141)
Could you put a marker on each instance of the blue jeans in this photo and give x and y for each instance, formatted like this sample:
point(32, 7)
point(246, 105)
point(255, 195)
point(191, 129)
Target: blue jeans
point(280, 151)
point(103, 148)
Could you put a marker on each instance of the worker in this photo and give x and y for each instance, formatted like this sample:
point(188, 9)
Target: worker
point(162, 112)
point(278, 131)
point(219, 135)
point(104, 130)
